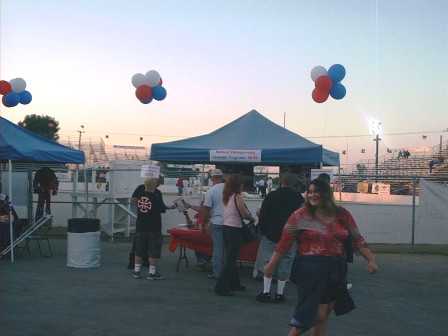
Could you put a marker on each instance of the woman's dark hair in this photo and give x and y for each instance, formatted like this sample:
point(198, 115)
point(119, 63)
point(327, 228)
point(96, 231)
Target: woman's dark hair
point(232, 186)
point(328, 202)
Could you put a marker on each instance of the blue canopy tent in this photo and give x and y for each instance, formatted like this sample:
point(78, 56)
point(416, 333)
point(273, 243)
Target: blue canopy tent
point(17, 144)
point(20, 145)
point(271, 144)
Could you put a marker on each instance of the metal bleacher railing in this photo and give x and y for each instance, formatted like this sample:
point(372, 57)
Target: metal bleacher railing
point(415, 165)
point(97, 151)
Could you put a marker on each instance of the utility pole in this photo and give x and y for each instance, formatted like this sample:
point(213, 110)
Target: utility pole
point(79, 141)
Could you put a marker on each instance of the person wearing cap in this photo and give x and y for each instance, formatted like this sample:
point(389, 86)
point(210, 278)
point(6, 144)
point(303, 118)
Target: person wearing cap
point(214, 216)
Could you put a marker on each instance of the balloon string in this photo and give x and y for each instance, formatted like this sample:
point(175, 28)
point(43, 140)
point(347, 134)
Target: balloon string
point(325, 120)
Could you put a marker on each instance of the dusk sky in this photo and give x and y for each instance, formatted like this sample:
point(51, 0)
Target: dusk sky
point(221, 59)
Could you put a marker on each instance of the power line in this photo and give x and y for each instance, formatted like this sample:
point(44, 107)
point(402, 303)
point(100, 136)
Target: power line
point(368, 135)
point(308, 137)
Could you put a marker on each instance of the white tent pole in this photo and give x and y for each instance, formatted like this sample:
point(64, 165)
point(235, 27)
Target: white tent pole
point(11, 235)
point(86, 187)
point(340, 183)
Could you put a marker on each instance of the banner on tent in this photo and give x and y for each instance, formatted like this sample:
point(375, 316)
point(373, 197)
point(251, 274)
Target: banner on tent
point(235, 155)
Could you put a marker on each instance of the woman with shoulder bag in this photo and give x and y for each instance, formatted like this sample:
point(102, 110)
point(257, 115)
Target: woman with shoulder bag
point(321, 229)
point(234, 211)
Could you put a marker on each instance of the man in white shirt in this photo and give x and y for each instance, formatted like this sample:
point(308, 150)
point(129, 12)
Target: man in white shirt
point(214, 215)
point(186, 182)
point(269, 184)
point(196, 186)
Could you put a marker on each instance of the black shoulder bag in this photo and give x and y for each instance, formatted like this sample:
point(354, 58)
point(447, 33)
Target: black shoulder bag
point(249, 228)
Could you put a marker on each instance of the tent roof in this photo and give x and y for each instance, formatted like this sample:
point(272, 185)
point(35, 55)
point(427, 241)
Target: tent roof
point(251, 131)
point(20, 145)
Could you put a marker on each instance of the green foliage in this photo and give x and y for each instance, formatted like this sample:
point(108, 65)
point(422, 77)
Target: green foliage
point(45, 126)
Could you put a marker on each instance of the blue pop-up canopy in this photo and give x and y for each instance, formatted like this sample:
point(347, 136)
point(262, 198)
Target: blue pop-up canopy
point(17, 144)
point(252, 131)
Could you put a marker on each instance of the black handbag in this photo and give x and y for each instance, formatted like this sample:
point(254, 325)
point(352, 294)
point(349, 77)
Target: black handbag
point(249, 229)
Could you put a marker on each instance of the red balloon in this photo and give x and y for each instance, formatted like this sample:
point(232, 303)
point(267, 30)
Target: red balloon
point(143, 92)
point(4, 102)
point(319, 96)
point(324, 84)
point(161, 82)
point(5, 87)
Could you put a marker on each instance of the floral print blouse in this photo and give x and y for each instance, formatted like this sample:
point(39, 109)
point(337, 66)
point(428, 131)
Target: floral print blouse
point(317, 237)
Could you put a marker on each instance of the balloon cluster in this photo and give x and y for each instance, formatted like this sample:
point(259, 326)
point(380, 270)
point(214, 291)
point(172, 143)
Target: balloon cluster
point(328, 83)
point(148, 87)
point(14, 92)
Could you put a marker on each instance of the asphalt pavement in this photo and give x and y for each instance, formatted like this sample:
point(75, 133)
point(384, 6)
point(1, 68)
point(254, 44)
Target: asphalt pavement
point(42, 296)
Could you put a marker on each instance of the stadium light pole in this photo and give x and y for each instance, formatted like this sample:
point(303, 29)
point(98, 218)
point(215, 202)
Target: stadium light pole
point(375, 129)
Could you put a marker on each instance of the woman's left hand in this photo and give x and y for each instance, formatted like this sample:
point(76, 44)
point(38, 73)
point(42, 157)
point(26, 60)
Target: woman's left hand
point(269, 270)
point(371, 267)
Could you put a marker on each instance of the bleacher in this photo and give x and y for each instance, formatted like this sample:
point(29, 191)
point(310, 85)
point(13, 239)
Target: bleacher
point(417, 164)
point(186, 171)
point(440, 167)
point(96, 151)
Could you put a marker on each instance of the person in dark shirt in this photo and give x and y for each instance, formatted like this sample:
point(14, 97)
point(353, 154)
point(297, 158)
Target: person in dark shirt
point(274, 212)
point(45, 184)
point(148, 229)
point(134, 199)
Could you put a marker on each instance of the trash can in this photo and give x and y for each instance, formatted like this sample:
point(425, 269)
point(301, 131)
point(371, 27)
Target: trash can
point(83, 242)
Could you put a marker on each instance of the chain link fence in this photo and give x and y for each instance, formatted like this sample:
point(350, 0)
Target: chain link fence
point(394, 213)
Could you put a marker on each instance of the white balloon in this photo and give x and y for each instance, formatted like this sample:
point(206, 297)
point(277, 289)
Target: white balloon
point(318, 71)
point(138, 79)
point(17, 85)
point(152, 78)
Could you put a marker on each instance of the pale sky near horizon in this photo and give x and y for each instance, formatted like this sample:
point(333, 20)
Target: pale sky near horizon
point(221, 59)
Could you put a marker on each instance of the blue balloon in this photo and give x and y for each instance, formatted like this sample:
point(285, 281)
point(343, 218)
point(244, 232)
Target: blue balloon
point(158, 92)
point(336, 72)
point(11, 99)
point(25, 97)
point(147, 101)
point(338, 91)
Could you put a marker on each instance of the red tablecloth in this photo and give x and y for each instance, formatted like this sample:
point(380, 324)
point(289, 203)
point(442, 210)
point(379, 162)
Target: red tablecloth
point(195, 240)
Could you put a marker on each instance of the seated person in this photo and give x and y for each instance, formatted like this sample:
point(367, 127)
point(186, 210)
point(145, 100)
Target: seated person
point(202, 260)
point(5, 207)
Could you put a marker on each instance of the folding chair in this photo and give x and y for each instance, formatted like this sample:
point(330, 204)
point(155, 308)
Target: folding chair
point(24, 225)
point(39, 235)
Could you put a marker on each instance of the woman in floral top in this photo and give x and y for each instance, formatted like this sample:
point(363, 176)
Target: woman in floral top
point(322, 230)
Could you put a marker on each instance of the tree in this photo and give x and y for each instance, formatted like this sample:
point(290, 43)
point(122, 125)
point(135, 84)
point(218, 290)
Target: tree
point(45, 126)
